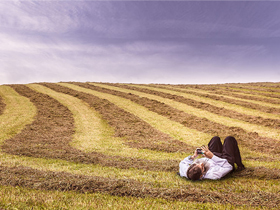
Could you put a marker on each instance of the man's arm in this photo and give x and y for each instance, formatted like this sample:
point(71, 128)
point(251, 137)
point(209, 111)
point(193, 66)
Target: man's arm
point(221, 168)
point(185, 164)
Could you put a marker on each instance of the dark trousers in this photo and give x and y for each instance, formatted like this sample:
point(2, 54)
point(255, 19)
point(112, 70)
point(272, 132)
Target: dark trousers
point(229, 150)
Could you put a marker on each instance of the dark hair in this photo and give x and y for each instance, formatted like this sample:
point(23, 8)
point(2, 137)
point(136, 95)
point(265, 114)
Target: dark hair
point(194, 173)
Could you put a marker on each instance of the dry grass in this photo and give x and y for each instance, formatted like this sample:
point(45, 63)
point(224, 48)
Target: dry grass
point(205, 97)
point(50, 178)
point(175, 130)
point(18, 112)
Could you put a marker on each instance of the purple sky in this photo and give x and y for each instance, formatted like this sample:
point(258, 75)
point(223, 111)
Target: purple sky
point(174, 42)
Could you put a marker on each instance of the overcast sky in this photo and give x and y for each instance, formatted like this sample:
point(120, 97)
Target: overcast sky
point(174, 42)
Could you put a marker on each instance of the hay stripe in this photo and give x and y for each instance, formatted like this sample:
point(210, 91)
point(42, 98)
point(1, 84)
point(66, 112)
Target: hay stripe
point(220, 94)
point(93, 134)
point(249, 140)
point(18, 112)
point(216, 103)
point(255, 111)
point(50, 133)
point(174, 129)
point(235, 114)
point(42, 180)
point(262, 131)
point(2, 105)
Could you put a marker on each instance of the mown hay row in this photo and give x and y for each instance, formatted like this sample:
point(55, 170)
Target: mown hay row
point(242, 95)
point(224, 91)
point(2, 105)
point(92, 133)
point(137, 132)
point(231, 191)
point(214, 104)
point(256, 87)
point(261, 107)
point(50, 133)
point(247, 139)
point(159, 122)
point(42, 180)
point(18, 112)
point(262, 130)
point(236, 89)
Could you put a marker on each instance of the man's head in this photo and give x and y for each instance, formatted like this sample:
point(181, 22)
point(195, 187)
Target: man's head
point(195, 171)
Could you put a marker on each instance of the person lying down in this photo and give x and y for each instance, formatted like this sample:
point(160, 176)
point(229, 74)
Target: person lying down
point(218, 160)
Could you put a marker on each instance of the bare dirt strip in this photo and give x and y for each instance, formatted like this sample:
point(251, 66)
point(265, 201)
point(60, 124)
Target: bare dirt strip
point(272, 123)
point(138, 133)
point(51, 131)
point(250, 140)
point(62, 181)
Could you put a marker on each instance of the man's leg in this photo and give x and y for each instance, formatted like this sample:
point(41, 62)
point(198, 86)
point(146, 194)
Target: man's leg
point(231, 152)
point(215, 146)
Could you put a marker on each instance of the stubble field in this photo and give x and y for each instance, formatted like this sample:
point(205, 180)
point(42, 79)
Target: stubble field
point(118, 146)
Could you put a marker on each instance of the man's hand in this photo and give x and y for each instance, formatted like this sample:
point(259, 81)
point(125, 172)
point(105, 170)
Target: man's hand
point(206, 152)
point(194, 155)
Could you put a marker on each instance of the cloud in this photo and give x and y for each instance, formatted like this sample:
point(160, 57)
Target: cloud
point(141, 42)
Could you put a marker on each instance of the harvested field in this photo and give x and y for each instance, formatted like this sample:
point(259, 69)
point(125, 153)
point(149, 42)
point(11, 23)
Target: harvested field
point(236, 89)
point(125, 141)
point(264, 144)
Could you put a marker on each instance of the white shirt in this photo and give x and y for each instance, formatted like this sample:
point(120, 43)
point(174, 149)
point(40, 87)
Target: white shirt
point(218, 167)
